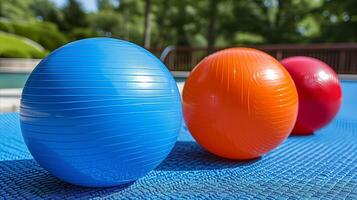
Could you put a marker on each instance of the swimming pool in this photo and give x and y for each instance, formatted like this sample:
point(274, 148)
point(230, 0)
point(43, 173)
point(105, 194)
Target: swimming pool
point(11, 85)
point(18, 80)
point(13, 80)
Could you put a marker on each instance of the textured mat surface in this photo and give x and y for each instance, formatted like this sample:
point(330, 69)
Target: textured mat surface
point(321, 166)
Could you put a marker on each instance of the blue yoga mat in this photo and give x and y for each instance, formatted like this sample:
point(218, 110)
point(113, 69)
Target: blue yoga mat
point(323, 165)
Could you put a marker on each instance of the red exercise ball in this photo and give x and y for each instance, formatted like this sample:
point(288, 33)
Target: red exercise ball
point(240, 103)
point(319, 92)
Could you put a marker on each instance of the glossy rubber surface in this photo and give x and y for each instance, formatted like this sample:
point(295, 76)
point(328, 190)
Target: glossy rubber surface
point(239, 103)
point(100, 112)
point(319, 92)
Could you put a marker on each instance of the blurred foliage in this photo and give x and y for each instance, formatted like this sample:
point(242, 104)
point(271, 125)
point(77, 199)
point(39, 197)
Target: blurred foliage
point(16, 10)
point(13, 46)
point(74, 16)
point(184, 22)
point(44, 33)
point(338, 21)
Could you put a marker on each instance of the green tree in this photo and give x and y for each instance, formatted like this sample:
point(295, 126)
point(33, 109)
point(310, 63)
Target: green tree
point(159, 23)
point(106, 23)
point(16, 10)
point(275, 20)
point(107, 4)
point(74, 15)
point(338, 21)
point(132, 12)
point(47, 11)
point(179, 22)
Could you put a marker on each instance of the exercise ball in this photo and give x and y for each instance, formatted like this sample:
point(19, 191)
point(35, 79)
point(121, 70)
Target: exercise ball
point(319, 92)
point(239, 103)
point(100, 112)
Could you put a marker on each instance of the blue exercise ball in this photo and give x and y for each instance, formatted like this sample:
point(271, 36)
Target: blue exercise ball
point(100, 112)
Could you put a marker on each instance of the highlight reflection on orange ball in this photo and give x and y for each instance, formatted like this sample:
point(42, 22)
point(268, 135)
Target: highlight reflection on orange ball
point(240, 103)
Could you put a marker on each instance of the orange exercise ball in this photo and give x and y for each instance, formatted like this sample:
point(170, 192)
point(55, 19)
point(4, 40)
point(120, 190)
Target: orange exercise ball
point(240, 103)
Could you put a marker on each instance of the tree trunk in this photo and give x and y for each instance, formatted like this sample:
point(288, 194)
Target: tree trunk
point(126, 24)
point(147, 24)
point(211, 35)
point(163, 27)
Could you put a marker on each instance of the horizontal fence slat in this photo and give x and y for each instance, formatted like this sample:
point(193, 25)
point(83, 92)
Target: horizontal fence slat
point(341, 57)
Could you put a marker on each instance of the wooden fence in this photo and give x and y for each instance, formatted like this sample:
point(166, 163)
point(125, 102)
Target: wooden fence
point(342, 57)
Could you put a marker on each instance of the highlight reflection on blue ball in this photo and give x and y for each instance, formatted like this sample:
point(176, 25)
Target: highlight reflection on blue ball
point(100, 112)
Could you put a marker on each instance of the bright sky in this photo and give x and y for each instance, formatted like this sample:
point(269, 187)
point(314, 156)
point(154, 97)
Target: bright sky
point(88, 5)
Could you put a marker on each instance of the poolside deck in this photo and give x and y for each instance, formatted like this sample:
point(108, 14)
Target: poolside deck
point(320, 166)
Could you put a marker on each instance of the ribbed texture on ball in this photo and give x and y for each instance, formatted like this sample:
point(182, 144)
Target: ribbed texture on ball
point(239, 103)
point(100, 112)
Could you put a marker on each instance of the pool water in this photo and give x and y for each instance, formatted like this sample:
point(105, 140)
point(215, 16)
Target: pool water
point(13, 80)
point(18, 80)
